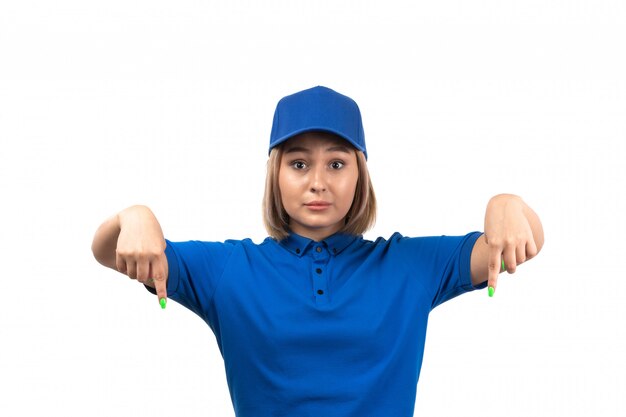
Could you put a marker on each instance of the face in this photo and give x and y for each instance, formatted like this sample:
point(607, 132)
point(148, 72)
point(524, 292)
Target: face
point(317, 180)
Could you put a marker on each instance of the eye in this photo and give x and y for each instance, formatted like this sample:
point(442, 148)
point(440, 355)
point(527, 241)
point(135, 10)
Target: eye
point(298, 165)
point(336, 165)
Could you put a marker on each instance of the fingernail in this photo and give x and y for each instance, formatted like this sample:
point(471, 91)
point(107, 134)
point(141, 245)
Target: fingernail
point(163, 302)
point(503, 267)
point(491, 290)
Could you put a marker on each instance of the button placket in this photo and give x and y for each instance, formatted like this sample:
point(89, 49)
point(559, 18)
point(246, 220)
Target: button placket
point(320, 281)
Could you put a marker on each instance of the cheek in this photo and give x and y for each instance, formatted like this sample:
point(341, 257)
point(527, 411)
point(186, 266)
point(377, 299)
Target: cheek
point(348, 188)
point(287, 187)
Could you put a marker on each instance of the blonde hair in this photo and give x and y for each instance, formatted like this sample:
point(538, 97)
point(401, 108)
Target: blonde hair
point(360, 218)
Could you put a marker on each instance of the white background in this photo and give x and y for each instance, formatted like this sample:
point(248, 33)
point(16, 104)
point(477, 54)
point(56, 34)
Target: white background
point(169, 104)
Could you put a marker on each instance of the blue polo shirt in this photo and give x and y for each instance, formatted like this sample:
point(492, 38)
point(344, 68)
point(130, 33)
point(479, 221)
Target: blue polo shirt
point(334, 328)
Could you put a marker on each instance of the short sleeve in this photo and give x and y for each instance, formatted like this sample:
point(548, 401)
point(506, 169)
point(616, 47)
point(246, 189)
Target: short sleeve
point(457, 275)
point(195, 269)
point(442, 264)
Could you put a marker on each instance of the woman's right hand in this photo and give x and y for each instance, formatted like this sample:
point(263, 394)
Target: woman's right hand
point(132, 242)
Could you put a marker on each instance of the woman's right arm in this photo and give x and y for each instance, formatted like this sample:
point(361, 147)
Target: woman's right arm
point(132, 243)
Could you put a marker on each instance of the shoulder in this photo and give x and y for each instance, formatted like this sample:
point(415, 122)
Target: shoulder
point(228, 245)
point(226, 242)
point(412, 245)
point(398, 239)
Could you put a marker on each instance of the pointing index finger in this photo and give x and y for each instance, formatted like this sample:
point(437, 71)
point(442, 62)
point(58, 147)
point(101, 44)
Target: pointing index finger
point(494, 268)
point(160, 280)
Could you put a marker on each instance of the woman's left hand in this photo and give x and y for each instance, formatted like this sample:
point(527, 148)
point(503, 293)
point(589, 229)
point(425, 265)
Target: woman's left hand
point(513, 234)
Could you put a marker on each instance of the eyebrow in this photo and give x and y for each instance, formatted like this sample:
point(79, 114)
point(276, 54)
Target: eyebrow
point(338, 148)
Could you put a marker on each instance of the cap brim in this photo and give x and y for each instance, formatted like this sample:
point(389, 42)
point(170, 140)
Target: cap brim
point(315, 129)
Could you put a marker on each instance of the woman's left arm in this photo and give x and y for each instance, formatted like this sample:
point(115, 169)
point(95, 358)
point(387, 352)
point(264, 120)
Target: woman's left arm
point(513, 233)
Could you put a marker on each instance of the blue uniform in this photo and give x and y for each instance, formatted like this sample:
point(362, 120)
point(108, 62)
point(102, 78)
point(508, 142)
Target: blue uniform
point(334, 328)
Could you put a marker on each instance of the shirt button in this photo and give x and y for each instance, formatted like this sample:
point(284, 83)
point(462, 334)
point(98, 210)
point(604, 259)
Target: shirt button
point(298, 250)
point(334, 250)
point(318, 270)
point(318, 249)
point(320, 292)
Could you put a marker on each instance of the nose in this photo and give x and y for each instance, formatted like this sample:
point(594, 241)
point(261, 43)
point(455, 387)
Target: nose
point(318, 180)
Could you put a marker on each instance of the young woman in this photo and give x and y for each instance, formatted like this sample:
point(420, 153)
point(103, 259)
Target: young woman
point(316, 320)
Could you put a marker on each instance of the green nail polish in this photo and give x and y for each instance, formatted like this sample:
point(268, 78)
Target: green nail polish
point(491, 290)
point(503, 267)
point(163, 302)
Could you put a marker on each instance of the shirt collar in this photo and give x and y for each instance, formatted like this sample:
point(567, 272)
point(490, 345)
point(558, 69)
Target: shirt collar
point(299, 245)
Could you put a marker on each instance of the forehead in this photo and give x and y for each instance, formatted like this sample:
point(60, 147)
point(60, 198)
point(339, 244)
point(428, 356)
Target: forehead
point(315, 139)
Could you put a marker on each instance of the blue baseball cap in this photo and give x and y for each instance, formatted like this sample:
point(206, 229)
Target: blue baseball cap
point(318, 109)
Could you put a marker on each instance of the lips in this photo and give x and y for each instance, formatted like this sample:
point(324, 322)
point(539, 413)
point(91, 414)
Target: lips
point(318, 204)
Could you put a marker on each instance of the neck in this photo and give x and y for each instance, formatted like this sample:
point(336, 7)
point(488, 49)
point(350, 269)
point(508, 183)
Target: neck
point(314, 234)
